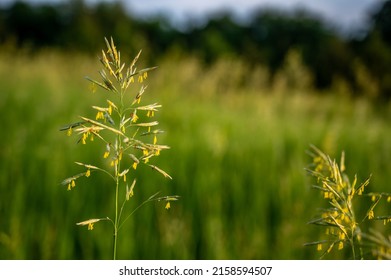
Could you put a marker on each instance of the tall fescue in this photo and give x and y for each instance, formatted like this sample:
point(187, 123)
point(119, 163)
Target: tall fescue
point(237, 161)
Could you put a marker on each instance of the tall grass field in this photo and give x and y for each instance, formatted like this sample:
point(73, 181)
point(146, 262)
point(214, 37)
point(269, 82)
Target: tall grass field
point(237, 158)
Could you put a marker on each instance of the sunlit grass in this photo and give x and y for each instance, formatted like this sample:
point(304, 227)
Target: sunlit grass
point(128, 134)
point(239, 161)
point(339, 219)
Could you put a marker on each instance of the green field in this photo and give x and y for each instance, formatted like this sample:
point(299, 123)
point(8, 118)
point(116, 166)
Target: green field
point(237, 158)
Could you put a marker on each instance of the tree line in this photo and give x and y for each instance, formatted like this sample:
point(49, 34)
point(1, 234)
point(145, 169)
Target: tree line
point(266, 38)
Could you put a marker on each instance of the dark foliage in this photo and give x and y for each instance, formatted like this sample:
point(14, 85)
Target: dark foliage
point(265, 38)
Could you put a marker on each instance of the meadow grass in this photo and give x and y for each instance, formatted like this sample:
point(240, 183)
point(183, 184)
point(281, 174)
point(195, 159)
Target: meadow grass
point(342, 226)
point(124, 129)
point(238, 159)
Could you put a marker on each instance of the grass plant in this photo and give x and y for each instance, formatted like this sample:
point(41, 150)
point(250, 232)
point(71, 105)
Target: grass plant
point(128, 134)
point(343, 227)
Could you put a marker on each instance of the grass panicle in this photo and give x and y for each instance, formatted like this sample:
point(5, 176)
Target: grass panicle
point(124, 127)
point(342, 227)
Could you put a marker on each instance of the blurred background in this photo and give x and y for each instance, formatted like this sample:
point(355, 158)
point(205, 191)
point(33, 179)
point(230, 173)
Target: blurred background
point(245, 90)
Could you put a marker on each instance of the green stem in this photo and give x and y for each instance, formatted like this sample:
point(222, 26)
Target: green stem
point(117, 179)
point(353, 249)
point(151, 198)
point(116, 217)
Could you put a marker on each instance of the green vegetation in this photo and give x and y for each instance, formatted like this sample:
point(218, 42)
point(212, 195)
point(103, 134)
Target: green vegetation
point(124, 128)
point(237, 160)
point(343, 226)
point(359, 59)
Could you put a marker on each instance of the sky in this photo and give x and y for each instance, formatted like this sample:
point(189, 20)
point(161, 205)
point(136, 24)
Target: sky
point(346, 13)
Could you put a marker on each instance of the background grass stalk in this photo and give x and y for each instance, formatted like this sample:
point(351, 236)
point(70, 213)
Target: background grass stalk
point(339, 218)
